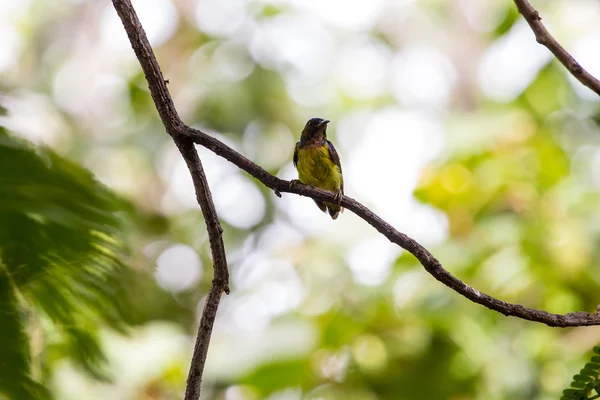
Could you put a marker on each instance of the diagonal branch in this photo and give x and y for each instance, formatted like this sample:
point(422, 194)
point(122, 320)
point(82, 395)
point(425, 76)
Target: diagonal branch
point(175, 127)
point(532, 16)
point(429, 262)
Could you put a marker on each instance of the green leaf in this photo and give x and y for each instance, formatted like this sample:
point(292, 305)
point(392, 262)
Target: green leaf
point(282, 374)
point(577, 384)
point(592, 366)
point(582, 378)
point(589, 372)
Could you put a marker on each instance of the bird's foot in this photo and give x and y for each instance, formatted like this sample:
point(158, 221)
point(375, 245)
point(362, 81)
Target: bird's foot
point(338, 198)
point(294, 182)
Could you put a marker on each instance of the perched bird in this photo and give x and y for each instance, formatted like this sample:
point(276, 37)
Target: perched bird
point(318, 163)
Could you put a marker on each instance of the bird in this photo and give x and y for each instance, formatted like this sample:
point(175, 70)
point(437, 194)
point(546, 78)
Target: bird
point(318, 164)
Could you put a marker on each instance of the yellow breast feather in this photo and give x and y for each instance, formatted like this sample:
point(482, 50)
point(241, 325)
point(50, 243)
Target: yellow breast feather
point(316, 168)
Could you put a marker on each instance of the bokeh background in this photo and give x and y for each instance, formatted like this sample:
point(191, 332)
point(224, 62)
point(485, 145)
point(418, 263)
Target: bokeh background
point(452, 123)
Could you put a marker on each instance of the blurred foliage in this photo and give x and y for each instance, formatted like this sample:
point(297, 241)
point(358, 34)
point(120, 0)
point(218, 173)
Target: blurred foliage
point(58, 254)
point(451, 122)
point(63, 259)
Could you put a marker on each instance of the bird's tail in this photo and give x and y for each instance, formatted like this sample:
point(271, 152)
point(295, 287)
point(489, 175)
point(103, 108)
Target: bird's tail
point(334, 210)
point(321, 205)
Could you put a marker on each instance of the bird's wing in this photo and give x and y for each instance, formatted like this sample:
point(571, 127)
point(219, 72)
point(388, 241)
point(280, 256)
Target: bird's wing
point(336, 159)
point(296, 154)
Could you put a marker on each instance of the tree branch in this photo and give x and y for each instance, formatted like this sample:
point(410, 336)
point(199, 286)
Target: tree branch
point(175, 127)
point(221, 277)
point(184, 135)
point(532, 16)
point(429, 262)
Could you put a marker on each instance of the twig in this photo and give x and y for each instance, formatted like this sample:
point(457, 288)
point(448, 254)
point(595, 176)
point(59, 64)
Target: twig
point(175, 127)
point(181, 132)
point(532, 16)
point(221, 278)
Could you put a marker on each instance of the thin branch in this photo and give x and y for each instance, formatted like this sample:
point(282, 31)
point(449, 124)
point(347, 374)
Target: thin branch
point(145, 54)
point(431, 264)
point(221, 278)
point(174, 126)
point(532, 16)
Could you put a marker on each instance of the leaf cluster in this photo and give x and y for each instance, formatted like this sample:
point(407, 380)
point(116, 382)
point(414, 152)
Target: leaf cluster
point(586, 384)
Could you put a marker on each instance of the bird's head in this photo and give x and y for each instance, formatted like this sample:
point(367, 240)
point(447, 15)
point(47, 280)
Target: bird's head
point(315, 128)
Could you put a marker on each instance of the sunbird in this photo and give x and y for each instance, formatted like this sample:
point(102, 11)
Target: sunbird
point(318, 163)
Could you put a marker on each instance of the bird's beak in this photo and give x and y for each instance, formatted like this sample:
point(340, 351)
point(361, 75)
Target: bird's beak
point(324, 123)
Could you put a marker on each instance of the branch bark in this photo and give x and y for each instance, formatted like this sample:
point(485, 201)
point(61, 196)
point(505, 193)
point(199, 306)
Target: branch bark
point(184, 136)
point(532, 16)
point(221, 277)
point(175, 127)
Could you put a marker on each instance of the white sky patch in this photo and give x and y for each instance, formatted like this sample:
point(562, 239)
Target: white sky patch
point(422, 76)
point(180, 195)
point(278, 236)
point(352, 15)
point(47, 127)
point(310, 92)
point(585, 51)
point(235, 352)
point(409, 286)
point(68, 81)
point(221, 18)
point(178, 268)
point(11, 15)
point(136, 359)
point(371, 260)
point(238, 201)
point(158, 17)
point(10, 9)
point(269, 145)
point(118, 168)
point(511, 63)
point(424, 222)
point(384, 167)
point(251, 270)
point(105, 94)
point(287, 394)
point(282, 291)
point(11, 46)
point(303, 212)
point(232, 62)
point(362, 67)
point(265, 287)
point(293, 40)
point(483, 16)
